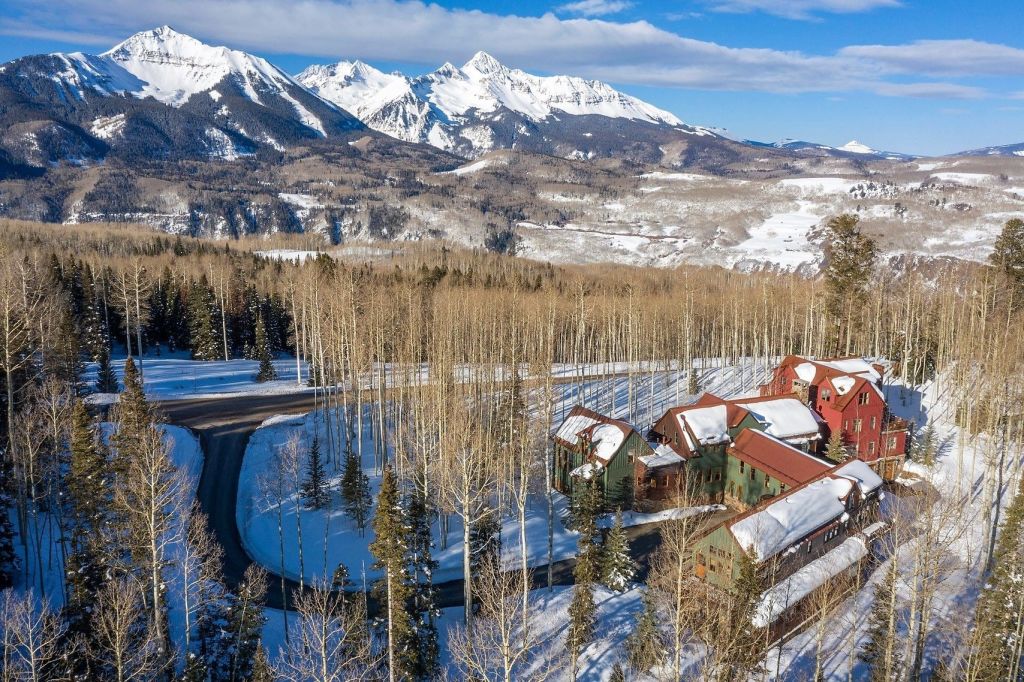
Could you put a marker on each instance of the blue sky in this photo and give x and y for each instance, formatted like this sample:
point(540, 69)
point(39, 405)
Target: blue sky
point(920, 76)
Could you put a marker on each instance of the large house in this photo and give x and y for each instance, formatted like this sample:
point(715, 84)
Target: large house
point(800, 540)
point(801, 517)
point(847, 394)
point(723, 451)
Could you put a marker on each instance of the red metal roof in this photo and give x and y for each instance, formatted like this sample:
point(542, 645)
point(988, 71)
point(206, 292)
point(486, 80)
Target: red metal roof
point(777, 459)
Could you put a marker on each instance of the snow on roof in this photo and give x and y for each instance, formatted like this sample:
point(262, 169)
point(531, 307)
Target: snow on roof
point(857, 366)
point(843, 384)
point(709, 425)
point(663, 455)
point(607, 439)
point(776, 600)
point(792, 517)
point(784, 418)
point(859, 471)
point(587, 471)
point(572, 426)
point(806, 371)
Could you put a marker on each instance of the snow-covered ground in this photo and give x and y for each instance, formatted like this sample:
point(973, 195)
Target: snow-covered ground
point(330, 536)
point(174, 375)
point(45, 577)
point(959, 475)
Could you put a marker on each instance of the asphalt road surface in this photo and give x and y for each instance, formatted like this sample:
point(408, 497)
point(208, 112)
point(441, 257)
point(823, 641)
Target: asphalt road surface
point(224, 426)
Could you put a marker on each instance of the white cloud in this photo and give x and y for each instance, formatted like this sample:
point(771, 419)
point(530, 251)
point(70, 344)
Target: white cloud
point(620, 52)
point(800, 9)
point(930, 90)
point(943, 57)
point(596, 8)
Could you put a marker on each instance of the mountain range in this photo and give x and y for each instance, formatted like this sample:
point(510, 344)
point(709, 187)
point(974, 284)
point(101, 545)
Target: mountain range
point(209, 141)
point(163, 95)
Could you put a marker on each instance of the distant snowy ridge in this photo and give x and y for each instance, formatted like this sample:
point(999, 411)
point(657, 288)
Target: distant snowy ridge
point(468, 102)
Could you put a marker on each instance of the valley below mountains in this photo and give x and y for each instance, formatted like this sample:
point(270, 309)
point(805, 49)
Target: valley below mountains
point(193, 139)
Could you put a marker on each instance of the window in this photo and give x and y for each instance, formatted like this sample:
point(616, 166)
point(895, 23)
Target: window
point(653, 482)
point(871, 448)
point(862, 399)
point(767, 480)
point(874, 421)
point(892, 442)
point(809, 545)
point(857, 425)
point(753, 474)
point(700, 559)
point(718, 474)
point(741, 466)
point(782, 488)
point(629, 458)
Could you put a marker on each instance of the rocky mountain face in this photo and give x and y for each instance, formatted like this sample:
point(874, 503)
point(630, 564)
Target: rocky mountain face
point(189, 138)
point(484, 105)
point(157, 96)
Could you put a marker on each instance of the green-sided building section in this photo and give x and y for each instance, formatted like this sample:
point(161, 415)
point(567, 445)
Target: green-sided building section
point(704, 433)
point(590, 446)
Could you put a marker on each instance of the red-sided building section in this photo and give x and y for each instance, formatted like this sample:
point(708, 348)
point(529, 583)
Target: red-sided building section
point(847, 393)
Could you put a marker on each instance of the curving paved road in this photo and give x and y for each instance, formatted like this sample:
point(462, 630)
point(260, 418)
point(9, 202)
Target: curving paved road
point(224, 426)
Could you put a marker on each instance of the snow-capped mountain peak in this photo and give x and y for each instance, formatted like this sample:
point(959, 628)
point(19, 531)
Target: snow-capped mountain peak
point(855, 147)
point(175, 66)
point(463, 109)
point(484, 64)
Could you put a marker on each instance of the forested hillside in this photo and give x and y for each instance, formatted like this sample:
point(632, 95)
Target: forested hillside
point(435, 375)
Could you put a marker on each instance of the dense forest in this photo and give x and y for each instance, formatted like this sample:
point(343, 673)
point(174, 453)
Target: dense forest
point(444, 359)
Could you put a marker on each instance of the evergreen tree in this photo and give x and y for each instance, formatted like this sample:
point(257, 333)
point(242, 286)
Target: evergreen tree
point(262, 670)
point(392, 590)
point(315, 494)
point(263, 354)
point(88, 499)
point(850, 257)
point(692, 383)
point(617, 566)
point(133, 415)
point(583, 610)
point(93, 330)
point(86, 480)
point(340, 581)
point(644, 645)
point(836, 451)
point(421, 569)
point(881, 650)
point(746, 643)
point(1000, 608)
point(925, 446)
point(205, 342)
point(240, 618)
point(106, 380)
point(355, 488)
point(1008, 256)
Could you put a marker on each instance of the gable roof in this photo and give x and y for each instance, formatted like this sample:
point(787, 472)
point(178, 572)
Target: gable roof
point(779, 460)
point(814, 371)
point(777, 524)
point(606, 435)
point(784, 417)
